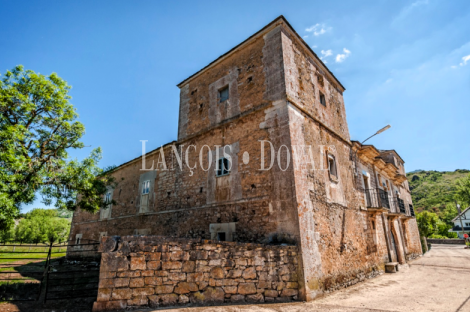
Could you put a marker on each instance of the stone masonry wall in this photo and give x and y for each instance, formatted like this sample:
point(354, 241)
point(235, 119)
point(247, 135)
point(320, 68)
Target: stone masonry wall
point(160, 271)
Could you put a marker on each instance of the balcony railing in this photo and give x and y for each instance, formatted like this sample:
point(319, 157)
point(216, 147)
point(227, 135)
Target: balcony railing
point(401, 205)
point(378, 198)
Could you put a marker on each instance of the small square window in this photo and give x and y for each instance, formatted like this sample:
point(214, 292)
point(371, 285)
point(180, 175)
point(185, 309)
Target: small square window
point(332, 165)
point(223, 94)
point(223, 167)
point(145, 187)
point(221, 236)
point(107, 198)
point(322, 99)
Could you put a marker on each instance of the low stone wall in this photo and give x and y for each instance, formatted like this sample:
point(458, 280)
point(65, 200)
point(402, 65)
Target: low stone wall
point(453, 241)
point(157, 271)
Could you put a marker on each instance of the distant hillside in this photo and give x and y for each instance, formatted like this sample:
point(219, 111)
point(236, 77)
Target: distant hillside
point(60, 213)
point(64, 214)
point(432, 190)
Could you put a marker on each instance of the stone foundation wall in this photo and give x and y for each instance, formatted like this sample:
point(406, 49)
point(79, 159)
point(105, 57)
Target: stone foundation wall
point(451, 241)
point(160, 271)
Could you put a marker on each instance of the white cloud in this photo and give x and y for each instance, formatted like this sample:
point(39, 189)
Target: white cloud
point(341, 57)
point(305, 37)
point(325, 54)
point(465, 59)
point(408, 9)
point(317, 29)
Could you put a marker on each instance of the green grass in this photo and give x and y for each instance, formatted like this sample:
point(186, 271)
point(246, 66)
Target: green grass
point(37, 252)
point(27, 259)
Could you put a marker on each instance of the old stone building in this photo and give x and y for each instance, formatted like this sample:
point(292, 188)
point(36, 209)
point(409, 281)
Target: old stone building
point(346, 206)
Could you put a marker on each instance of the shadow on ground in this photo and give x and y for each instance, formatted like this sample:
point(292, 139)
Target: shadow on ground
point(70, 286)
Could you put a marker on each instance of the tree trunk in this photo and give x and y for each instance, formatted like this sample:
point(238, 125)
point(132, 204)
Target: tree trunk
point(425, 244)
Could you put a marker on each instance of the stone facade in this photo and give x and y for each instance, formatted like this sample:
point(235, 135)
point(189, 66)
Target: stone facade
point(157, 272)
point(346, 206)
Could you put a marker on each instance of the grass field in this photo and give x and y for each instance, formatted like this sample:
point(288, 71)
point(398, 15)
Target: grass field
point(18, 263)
point(28, 253)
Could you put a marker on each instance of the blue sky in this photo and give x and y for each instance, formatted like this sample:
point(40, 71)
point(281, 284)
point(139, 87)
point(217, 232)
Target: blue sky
point(404, 63)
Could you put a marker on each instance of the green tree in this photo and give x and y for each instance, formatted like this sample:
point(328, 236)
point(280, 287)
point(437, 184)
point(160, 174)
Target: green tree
point(37, 127)
point(427, 223)
point(449, 213)
point(57, 230)
point(7, 235)
point(442, 229)
point(42, 225)
point(23, 231)
point(463, 190)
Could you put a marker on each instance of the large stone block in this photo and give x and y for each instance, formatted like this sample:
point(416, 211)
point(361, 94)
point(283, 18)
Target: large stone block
point(271, 293)
point(183, 299)
point(138, 263)
point(116, 305)
point(234, 273)
point(121, 282)
point(106, 283)
point(177, 255)
point(249, 273)
point(217, 272)
point(188, 266)
point(136, 282)
point(154, 265)
point(237, 298)
point(143, 291)
point(246, 288)
point(195, 277)
point(171, 265)
point(177, 276)
point(104, 294)
point(128, 274)
point(255, 298)
point(114, 262)
point(153, 280)
point(163, 300)
point(214, 295)
point(185, 287)
point(230, 289)
point(121, 294)
point(286, 292)
point(143, 301)
point(164, 289)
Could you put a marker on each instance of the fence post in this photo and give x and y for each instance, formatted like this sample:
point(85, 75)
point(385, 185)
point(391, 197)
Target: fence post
point(45, 275)
point(47, 284)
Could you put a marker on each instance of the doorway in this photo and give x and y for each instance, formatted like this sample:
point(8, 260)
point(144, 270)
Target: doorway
point(394, 247)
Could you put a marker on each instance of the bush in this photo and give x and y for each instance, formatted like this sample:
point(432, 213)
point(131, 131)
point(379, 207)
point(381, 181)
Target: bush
point(438, 236)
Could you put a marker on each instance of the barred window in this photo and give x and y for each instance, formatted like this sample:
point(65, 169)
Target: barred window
point(332, 165)
point(145, 187)
point(223, 94)
point(223, 167)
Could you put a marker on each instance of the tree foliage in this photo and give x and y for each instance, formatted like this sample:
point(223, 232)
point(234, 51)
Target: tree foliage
point(434, 190)
point(463, 190)
point(427, 223)
point(42, 226)
point(37, 126)
point(430, 225)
